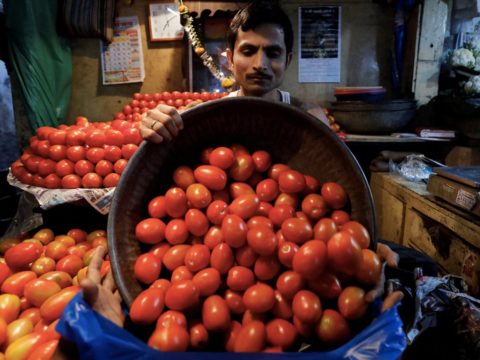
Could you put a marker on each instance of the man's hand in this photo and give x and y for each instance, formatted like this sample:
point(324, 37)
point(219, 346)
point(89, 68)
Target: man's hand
point(162, 123)
point(391, 259)
point(102, 296)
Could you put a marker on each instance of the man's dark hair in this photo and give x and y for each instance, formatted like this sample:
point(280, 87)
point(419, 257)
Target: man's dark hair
point(258, 13)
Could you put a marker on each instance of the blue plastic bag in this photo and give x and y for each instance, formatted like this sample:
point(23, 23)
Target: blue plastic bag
point(98, 338)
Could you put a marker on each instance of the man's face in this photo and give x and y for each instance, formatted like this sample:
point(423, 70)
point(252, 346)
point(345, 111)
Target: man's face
point(259, 60)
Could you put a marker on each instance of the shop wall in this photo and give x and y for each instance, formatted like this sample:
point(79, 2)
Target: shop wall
point(366, 37)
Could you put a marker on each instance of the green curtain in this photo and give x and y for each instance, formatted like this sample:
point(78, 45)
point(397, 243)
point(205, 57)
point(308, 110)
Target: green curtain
point(41, 60)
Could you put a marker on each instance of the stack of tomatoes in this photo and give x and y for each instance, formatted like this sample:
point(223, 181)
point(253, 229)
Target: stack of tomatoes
point(38, 277)
point(141, 103)
point(84, 155)
point(257, 254)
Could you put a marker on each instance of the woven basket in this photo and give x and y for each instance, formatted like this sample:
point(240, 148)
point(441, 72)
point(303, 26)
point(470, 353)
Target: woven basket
point(289, 134)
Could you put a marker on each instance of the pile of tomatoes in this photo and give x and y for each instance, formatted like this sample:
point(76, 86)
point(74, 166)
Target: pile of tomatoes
point(93, 154)
point(257, 254)
point(38, 277)
point(84, 155)
point(141, 103)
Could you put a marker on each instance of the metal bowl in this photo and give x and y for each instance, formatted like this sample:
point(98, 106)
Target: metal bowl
point(291, 136)
point(367, 118)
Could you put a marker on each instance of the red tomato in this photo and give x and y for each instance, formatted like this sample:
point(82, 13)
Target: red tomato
point(297, 230)
point(259, 298)
point(147, 306)
point(150, 231)
point(324, 229)
point(212, 177)
point(314, 206)
point(259, 221)
point(36, 291)
point(197, 257)
point(199, 196)
point(23, 346)
point(234, 231)
point(162, 284)
point(216, 314)
point(237, 189)
point(96, 138)
point(183, 177)
point(173, 338)
point(20, 256)
point(311, 259)
point(242, 168)
point(53, 307)
point(275, 170)
point(245, 256)
point(340, 217)
point(64, 167)
point(359, 233)
point(262, 160)
point(267, 190)
point(222, 157)
point(231, 335)
point(95, 154)
point(103, 167)
point(9, 307)
point(222, 258)
point(286, 252)
point(176, 202)
point(157, 207)
point(75, 137)
point(119, 166)
point(371, 270)
point(207, 281)
point(175, 256)
point(33, 314)
point(216, 211)
point(198, 335)
point(291, 181)
point(289, 283)
point(245, 206)
point(147, 268)
point(111, 180)
point(251, 337)
point(213, 237)
point(326, 285)
point(83, 167)
point(281, 333)
point(307, 307)
point(57, 137)
point(181, 295)
point(352, 304)
point(15, 283)
point(287, 199)
point(46, 167)
point(333, 329)
point(279, 213)
point(43, 148)
point(176, 232)
point(311, 185)
point(262, 240)
point(334, 195)
point(71, 264)
point(266, 267)
point(196, 222)
point(234, 301)
point(57, 152)
point(344, 253)
point(172, 318)
point(92, 180)
point(78, 235)
point(128, 150)
point(114, 137)
point(60, 277)
point(43, 351)
point(5, 272)
point(132, 136)
point(282, 308)
point(240, 278)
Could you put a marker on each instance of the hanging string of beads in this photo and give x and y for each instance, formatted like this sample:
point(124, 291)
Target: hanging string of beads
point(187, 22)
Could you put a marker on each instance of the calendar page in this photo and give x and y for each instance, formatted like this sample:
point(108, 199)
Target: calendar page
point(122, 60)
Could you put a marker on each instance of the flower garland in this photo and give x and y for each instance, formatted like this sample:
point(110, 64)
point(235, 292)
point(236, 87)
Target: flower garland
point(187, 22)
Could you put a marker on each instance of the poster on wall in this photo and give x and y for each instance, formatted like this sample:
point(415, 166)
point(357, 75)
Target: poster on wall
point(319, 29)
point(122, 60)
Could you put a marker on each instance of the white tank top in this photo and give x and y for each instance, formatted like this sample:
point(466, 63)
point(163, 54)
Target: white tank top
point(285, 95)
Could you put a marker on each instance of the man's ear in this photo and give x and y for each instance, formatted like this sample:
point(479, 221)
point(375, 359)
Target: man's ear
point(289, 59)
point(230, 57)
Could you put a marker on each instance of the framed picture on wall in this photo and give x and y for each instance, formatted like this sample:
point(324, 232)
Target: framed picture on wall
point(164, 22)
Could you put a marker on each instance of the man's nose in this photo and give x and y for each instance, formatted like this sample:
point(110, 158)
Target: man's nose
point(260, 61)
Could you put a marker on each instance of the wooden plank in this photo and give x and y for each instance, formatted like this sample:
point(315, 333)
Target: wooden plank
point(446, 247)
point(390, 214)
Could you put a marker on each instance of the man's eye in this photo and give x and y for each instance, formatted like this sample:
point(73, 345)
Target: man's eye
point(247, 52)
point(274, 54)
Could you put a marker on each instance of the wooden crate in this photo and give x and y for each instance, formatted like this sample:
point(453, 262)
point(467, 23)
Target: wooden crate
point(409, 215)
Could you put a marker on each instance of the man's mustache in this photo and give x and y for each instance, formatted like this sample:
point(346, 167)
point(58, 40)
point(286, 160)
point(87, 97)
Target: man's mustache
point(259, 75)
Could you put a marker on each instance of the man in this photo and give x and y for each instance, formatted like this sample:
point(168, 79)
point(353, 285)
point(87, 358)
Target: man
point(260, 50)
